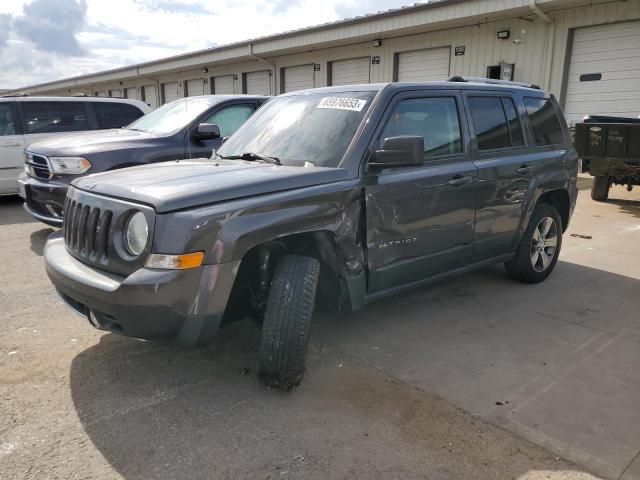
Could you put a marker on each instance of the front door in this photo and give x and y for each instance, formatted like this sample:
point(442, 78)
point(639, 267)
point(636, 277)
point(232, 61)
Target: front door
point(420, 220)
point(11, 147)
point(229, 118)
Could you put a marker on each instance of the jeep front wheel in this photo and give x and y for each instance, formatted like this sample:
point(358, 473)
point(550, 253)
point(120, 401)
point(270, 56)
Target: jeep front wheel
point(600, 188)
point(287, 321)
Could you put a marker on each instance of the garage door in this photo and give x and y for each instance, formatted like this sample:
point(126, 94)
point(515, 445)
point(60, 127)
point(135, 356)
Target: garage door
point(150, 95)
point(132, 93)
point(102, 93)
point(117, 93)
point(195, 87)
point(349, 72)
point(223, 85)
point(604, 72)
point(169, 92)
point(258, 83)
point(298, 78)
point(424, 65)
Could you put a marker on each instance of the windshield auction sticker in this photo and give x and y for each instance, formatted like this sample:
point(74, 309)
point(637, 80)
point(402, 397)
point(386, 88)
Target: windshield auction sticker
point(342, 103)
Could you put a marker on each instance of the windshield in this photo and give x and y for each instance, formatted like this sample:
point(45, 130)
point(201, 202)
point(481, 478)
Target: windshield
point(315, 128)
point(172, 116)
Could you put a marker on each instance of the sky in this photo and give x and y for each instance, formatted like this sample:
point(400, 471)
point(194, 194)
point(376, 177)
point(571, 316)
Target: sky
point(45, 40)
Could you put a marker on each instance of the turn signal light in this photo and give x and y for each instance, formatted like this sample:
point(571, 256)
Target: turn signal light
point(175, 262)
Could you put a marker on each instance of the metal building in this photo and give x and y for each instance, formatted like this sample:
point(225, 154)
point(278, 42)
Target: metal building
point(587, 52)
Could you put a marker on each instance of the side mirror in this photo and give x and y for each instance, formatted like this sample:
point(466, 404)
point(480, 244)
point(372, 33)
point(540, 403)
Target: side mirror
point(407, 151)
point(206, 131)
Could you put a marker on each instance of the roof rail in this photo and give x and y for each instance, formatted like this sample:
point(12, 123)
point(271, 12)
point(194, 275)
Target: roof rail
point(457, 78)
point(13, 95)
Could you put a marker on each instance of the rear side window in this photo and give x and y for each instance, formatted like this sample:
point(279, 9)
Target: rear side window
point(229, 119)
point(545, 124)
point(435, 119)
point(7, 123)
point(496, 122)
point(115, 115)
point(54, 117)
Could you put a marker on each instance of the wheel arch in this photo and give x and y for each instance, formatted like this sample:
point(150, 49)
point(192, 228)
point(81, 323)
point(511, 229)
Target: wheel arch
point(561, 201)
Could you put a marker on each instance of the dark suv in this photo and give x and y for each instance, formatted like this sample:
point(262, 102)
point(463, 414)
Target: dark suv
point(352, 192)
point(180, 129)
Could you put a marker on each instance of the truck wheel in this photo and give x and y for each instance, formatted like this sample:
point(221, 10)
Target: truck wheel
point(600, 188)
point(538, 251)
point(287, 321)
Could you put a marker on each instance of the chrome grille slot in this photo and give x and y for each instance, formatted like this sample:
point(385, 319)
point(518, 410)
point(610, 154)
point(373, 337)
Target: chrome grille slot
point(86, 230)
point(39, 166)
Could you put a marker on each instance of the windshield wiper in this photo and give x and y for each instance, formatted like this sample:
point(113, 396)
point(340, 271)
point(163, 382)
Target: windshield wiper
point(252, 157)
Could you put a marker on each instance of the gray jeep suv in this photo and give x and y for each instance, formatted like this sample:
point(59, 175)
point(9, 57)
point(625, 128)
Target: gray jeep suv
point(340, 195)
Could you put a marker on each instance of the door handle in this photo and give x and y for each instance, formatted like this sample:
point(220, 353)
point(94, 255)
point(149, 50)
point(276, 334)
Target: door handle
point(11, 144)
point(527, 169)
point(459, 180)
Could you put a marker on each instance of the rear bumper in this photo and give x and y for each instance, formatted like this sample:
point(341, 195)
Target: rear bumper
point(178, 307)
point(43, 200)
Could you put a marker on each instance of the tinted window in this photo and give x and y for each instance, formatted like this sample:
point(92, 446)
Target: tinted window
point(53, 117)
point(434, 119)
point(115, 115)
point(7, 125)
point(230, 118)
point(490, 122)
point(315, 128)
point(515, 128)
point(544, 121)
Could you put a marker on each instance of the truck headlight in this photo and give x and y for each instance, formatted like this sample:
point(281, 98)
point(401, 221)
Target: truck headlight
point(69, 165)
point(136, 234)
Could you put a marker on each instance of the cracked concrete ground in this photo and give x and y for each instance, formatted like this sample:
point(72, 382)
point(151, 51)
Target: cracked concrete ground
point(477, 377)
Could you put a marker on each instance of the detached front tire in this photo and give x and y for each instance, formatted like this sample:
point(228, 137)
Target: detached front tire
point(600, 188)
point(287, 321)
point(539, 248)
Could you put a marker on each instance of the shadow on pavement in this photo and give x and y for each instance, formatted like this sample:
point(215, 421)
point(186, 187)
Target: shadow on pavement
point(157, 412)
point(38, 239)
point(11, 211)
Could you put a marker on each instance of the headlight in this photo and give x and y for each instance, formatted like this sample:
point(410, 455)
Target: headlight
point(136, 234)
point(69, 165)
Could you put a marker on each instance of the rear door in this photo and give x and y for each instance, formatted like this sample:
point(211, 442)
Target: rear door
point(420, 220)
point(507, 169)
point(11, 146)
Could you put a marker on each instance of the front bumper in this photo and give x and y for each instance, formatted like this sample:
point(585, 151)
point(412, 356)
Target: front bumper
point(178, 307)
point(44, 200)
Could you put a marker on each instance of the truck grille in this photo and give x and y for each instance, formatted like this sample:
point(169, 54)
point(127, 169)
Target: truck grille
point(38, 166)
point(86, 230)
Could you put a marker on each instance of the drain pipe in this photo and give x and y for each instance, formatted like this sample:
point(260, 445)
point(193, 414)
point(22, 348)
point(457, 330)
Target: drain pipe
point(550, 39)
point(271, 64)
point(536, 9)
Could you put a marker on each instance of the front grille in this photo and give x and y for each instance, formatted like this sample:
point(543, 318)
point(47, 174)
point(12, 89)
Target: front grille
point(38, 166)
point(86, 230)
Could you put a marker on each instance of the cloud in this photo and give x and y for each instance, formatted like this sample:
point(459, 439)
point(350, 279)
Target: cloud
point(5, 28)
point(52, 25)
point(174, 7)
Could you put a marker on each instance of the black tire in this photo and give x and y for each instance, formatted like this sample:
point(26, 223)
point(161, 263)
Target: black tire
point(600, 188)
point(521, 267)
point(287, 321)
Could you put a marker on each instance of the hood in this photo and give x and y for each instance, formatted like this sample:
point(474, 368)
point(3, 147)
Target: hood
point(91, 142)
point(182, 184)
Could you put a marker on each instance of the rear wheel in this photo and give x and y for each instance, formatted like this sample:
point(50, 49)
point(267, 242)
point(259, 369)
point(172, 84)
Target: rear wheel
point(539, 247)
point(600, 188)
point(287, 321)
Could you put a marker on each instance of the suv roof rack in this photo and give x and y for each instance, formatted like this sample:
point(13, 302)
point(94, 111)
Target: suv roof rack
point(457, 78)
